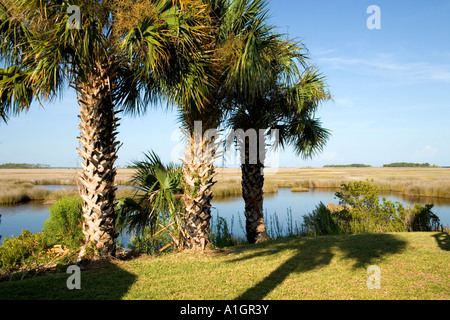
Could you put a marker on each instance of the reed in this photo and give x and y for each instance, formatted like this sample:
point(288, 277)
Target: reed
point(56, 195)
point(55, 182)
point(15, 193)
point(227, 188)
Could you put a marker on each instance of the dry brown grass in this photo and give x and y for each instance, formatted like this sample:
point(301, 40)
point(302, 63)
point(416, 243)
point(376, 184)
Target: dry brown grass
point(17, 185)
point(409, 182)
point(13, 193)
point(53, 176)
point(21, 185)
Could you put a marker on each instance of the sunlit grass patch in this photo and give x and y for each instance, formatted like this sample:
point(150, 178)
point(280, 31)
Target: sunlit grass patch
point(413, 266)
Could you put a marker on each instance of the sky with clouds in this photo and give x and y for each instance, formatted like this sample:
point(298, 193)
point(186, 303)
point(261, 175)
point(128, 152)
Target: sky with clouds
point(390, 88)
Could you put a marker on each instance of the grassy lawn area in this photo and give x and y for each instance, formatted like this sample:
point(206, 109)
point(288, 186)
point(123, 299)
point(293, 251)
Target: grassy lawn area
point(413, 266)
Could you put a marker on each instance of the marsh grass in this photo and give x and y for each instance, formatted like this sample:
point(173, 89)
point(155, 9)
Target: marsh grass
point(227, 188)
point(407, 182)
point(283, 226)
point(222, 232)
point(15, 184)
point(57, 182)
point(17, 191)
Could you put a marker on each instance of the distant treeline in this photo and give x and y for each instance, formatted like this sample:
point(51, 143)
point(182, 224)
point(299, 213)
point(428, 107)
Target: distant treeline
point(409, 165)
point(23, 166)
point(354, 165)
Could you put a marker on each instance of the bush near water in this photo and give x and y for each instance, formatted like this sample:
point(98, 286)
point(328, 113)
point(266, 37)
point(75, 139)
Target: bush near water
point(361, 210)
point(57, 244)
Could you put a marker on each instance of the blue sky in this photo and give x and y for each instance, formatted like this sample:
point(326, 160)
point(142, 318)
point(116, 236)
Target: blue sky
point(391, 91)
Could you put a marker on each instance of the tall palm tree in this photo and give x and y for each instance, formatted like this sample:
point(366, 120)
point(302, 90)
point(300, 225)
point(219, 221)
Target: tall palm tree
point(289, 103)
point(187, 84)
point(121, 56)
point(239, 36)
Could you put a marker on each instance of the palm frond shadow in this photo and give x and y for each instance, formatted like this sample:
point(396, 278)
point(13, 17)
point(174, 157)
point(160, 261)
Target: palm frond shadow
point(310, 254)
point(443, 240)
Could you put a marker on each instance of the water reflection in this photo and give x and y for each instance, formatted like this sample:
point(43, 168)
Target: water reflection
point(422, 200)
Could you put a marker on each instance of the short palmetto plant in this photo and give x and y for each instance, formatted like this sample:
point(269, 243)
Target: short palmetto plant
point(120, 56)
point(157, 204)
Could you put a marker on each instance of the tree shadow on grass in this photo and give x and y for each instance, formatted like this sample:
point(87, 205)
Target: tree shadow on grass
point(106, 281)
point(312, 253)
point(443, 240)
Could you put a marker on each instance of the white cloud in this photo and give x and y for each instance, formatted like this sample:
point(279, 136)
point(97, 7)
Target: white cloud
point(392, 68)
point(344, 102)
point(329, 156)
point(426, 154)
point(429, 149)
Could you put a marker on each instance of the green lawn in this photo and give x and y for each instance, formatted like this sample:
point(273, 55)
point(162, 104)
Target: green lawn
point(413, 266)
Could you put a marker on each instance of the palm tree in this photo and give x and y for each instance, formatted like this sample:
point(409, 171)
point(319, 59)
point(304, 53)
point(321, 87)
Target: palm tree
point(287, 106)
point(122, 56)
point(240, 36)
point(187, 83)
point(198, 176)
point(157, 203)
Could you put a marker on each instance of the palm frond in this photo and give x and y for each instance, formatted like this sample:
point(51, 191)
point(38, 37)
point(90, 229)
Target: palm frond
point(307, 137)
point(292, 91)
point(15, 93)
point(158, 194)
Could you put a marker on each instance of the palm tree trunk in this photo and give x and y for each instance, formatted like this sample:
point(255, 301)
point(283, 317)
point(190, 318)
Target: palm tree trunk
point(98, 151)
point(199, 173)
point(252, 192)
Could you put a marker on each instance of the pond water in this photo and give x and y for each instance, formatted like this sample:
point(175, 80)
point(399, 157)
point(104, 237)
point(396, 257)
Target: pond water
point(31, 216)
point(285, 202)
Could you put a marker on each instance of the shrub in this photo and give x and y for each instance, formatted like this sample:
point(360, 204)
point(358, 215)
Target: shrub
point(29, 253)
point(26, 249)
point(321, 222)
point(360, 210)
point(421, 218)
point(363, 211)
point(359, 198)
point(64, 226)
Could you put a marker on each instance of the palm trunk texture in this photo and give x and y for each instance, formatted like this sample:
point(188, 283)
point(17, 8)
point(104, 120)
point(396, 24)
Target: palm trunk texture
point(199, 173)
point(98, 151)
point(252, 192)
